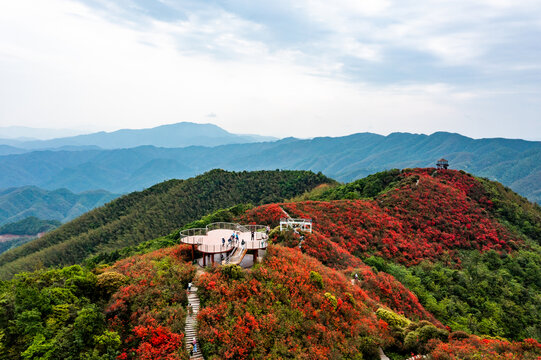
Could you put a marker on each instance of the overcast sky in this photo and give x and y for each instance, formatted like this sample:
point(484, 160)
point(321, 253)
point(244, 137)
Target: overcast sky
point(299, 68)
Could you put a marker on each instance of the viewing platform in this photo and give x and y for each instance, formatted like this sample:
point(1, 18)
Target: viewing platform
point(231, 240)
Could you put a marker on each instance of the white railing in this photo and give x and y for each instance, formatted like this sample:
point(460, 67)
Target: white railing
point(215, 248)
point(226, 226)
point(196, 236)
point(193, 236)
point(302, 224)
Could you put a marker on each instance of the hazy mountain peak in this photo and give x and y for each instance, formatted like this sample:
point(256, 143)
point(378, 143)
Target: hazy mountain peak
point(176, 135)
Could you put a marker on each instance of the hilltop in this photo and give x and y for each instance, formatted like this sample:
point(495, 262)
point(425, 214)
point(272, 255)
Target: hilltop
point(172, 135)
point(447, 265)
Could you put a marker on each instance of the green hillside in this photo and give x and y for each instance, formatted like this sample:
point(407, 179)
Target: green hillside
point(29, 226)
point(154, 212)
point(63, 205)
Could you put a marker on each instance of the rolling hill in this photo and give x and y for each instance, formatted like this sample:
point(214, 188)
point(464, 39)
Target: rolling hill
point(19, 203)
point(156, 211)
point(410, 262)
point(515, 163)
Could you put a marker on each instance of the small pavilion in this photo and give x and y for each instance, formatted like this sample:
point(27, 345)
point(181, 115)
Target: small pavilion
point(442, 164)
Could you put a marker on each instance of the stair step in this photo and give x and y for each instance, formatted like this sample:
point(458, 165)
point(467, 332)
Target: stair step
point(190, 329)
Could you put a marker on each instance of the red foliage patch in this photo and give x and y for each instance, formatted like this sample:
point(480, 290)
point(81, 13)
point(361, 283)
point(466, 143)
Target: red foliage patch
point(478, 348)
point(278, 310)
point(148, 312)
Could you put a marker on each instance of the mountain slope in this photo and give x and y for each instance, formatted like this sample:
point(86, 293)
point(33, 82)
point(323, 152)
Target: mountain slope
point(29, 226)
point(468, 247)
point(174, 135)
point(515, 163)
point(340, 292)
point(63, 205)
point(156, 211)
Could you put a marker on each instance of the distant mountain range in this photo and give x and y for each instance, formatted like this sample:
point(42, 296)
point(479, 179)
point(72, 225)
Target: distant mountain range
point(29, 201)
point(515, 163)
point(29, 133)
point(170, 136)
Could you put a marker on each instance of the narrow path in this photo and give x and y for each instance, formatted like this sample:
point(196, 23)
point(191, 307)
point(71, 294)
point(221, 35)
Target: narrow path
point(191, 324)
point(285, 212)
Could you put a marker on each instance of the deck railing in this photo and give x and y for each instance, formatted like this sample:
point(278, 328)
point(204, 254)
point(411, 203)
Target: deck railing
point(195, 236)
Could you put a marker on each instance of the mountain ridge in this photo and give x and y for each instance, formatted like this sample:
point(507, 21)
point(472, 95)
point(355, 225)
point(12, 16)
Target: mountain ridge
point(515, 163)
point(176, 135)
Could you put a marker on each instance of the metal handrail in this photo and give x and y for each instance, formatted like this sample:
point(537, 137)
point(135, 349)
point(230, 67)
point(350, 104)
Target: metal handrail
point(186, 236)
point(295, 220)
point(216, 248)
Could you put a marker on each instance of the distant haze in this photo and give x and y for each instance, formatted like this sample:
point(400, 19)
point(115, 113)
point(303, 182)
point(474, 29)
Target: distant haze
point(27, 133)
point(278, 68)
point(174, 136)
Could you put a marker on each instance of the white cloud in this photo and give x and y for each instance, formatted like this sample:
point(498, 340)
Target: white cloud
point(63, 64)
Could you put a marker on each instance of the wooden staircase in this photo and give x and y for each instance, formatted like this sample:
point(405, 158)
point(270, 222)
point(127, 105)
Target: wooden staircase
point(236, 256)
point(191, 324)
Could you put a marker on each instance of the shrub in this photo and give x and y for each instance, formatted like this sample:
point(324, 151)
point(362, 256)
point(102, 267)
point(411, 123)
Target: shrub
point(394, 320)
point(316, 279)
point(232, 271)
point(110, 281)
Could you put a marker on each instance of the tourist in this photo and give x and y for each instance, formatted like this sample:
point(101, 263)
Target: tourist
point(356, 277)
point(223, 242)
point(194, 343)
point(237, 237)
point(190, 347)
point(190, 310)
point(267, 230)
point(189, 287)
point(253, 234)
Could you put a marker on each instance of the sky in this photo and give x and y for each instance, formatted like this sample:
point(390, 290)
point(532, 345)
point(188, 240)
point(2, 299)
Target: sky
point(301, 68)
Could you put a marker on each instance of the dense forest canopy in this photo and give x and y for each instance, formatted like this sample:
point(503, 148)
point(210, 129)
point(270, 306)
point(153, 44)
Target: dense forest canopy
point(156, 211)
point(29, 226)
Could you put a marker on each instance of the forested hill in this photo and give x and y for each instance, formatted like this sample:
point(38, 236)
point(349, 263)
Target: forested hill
point(156, 211)
point(63, 205)
point(411, 262)
point(469, 248)
point(417, 261)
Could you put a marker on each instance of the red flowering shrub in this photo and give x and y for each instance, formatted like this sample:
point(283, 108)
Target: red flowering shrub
point(474, 347)
point(155, 343)
point(439, 218)
point(149, 312)
point(277, 310)
point(424, 218)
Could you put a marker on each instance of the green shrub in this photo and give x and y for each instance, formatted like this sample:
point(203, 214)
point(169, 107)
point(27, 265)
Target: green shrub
point(316, 279)
point(332, 299)
point(110, 281)
point(232, 271)
point(394, 320)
